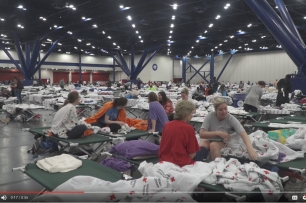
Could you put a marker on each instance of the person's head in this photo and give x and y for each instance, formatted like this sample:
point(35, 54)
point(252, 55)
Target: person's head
point(120, 103)
point(184, 94)
point(73, 98)
point(152, 97)
point(287, 78)
point(162, 97)
point(262, 84)
point(220, 108)
point(222, 88)
point(184, 111)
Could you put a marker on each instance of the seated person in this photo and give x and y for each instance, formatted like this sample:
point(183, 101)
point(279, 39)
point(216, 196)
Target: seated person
point(179, 144)
point(222, 90)
point(184, 95)
point(5, 93)
point(157, 117)
point(152, 87)
point(165, 102)
point(112, 114)
point(220, 124)
point(64, 124)
point(209, 90)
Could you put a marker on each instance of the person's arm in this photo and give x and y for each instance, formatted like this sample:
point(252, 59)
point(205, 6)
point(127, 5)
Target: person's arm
point(192, 144)
point(153, 123)
point(107, 121)
point(248, 144)
point(248, 91)
point(192, 155)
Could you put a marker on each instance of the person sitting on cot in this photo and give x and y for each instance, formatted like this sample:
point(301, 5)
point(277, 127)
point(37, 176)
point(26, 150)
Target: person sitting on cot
point(179, 144)
point(64, 124)
point(111, 115)
point(220, 124)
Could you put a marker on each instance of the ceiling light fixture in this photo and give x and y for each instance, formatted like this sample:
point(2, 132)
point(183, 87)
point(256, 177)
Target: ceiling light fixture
point(2, 19)
point(75, 47)
point(103, 32)
point(69, 32)
point(263, 36)
point(59, 50)
point(173, 18)
point(170, 36)
point(114, 43)
point(249, 25)
point(129, 17)
point(174, 6)
point(133, 25)
point(210, 25)
point(171, 31)
point(59, 44)
point(55, 26)
point(220, 44)
point(225, 40)
point(205, 31)
point(49, 40)
point(172, 25)
point(141, 41)
point(79, 40)
point(197, 41)
point(93, 47)
point(121, 6)
point(94, 25)
point(137, 32)
point(232, 36)
point(212, 50)
point(88, 44)
point(192, 47)
point(254, 40)
point(43, 45)
point(218, 16)
point(109, 37)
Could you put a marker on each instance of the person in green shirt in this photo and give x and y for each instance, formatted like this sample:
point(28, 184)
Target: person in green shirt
point(152, 88)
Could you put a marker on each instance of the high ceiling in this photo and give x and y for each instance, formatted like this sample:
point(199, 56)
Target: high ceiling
point(85, 25)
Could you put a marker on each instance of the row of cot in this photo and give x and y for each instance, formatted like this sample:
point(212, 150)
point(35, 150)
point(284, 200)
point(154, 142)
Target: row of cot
point(90, 168)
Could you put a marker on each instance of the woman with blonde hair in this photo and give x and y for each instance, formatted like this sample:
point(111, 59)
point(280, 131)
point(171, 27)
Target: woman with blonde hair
point(179, 144)
point(222, 124)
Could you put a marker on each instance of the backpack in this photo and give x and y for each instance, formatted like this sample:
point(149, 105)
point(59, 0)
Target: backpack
point(20, 85)
point(43, 145)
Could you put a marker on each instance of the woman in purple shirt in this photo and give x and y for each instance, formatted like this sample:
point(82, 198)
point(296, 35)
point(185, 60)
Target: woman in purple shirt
point(157, 115)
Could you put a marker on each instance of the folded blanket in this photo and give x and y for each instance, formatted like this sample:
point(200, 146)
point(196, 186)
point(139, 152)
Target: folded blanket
point(62, 163)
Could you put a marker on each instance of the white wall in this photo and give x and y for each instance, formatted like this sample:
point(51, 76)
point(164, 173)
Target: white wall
point(266, 66)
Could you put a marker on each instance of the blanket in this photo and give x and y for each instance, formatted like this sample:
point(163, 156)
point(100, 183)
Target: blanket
point(137, 123)
point(96, 190)
point(298, 140)
point(231, 174)
point(62, 163)
point(267, 149)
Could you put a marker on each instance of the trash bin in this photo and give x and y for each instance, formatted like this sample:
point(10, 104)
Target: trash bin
point(238, 97)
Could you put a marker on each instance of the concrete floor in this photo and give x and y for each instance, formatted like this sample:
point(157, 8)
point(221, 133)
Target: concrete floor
point(14, 143)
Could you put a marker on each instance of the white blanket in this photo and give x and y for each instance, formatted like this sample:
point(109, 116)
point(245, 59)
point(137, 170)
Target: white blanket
point(298, 140)
point(267, 149)
point(233, 176)
point(62, 163)
point(141, 190)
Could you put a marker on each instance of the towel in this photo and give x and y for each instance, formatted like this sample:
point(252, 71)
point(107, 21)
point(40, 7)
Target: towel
point(62, 163)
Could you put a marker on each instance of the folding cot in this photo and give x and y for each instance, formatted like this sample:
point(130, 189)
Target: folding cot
point(50, 181)
point(29, 111)
point(208, 187)
point(141, 113)
point(3, 111)
point(284, 120)
point(250, 115)
point(134, 134)
point(66, 143)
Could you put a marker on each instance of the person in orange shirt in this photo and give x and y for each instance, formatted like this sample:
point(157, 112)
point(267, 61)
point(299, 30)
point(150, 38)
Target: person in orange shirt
point(165, 102)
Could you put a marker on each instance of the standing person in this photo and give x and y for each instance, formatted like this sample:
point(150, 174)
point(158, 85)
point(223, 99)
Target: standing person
point(157, 115)
point(219, 124)
point(253, 97)
point(165, 102)
point(215, 84)
point(64, 124)
point(275, 83)
point(62, 83)
point(169, 84)
point(109, 83)
point(284, 87)
point(139, 82)
point(12, 89)
point(18, 86)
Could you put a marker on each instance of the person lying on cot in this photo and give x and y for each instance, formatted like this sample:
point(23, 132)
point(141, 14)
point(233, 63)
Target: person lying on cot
point(112, 114)
point(157, 117)
point(179, 144)
point(64, 124)
point(220, 124)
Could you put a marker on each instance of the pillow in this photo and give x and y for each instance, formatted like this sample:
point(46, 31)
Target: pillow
point(135, 148)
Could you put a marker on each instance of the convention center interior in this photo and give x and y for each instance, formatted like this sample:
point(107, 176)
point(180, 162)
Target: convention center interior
point(152, 101)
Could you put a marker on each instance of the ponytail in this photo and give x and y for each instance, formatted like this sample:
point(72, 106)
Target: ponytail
point(72, 97)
